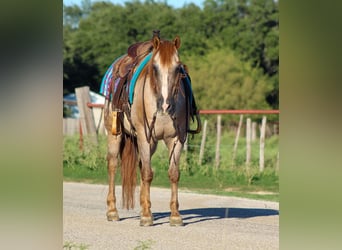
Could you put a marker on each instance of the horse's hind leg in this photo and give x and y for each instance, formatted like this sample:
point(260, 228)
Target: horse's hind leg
point(175, 148)
point(112, 161)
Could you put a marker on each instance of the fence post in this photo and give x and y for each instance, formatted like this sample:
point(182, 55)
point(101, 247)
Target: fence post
point(185, 147)
point(277, 164)
point(86, 114)
point(204, 135)
point(254, 129)
point(237, 139)
point(81, 135)
point(262, 144)
point(218, 141)
point(248, 142)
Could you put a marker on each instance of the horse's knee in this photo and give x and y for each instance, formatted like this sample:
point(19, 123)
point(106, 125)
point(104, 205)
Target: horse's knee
point(147, 174)
point(112, 161)
point(113, 148)
point(113, 151)
point(174, 175)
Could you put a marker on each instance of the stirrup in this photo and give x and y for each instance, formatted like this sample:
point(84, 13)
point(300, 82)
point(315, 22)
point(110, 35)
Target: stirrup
point(116, 125)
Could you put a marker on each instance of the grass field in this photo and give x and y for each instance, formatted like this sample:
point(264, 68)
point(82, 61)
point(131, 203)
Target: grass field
point(235, 179)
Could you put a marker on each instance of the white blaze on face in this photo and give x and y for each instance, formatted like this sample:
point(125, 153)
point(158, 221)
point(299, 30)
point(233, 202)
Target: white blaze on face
point(164, 89)
point(164, 73)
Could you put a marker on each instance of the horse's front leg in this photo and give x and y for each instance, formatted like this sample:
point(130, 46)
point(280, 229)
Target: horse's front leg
point(146, 173)
point(175, 149)
point(112, 161)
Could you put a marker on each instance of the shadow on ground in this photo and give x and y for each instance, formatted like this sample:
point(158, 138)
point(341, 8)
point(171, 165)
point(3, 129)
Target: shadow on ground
point(196, 215)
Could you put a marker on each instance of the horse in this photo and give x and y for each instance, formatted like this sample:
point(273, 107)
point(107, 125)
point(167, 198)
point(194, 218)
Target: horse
point(160, 111)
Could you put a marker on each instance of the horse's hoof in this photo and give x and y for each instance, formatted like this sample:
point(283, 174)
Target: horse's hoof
point(176, 221)
point(146, 221)
point(113, 216)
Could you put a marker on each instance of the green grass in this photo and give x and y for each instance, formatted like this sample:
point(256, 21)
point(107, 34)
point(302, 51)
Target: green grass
point(142, 245)
point(73, 246)
point(233, 179)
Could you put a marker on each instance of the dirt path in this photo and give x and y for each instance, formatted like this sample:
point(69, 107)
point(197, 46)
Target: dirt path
point(211, 222)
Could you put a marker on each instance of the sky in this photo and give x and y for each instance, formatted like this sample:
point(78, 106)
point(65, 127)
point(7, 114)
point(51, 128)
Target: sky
point(173, 3)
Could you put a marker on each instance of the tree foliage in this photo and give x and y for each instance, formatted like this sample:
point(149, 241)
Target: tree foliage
point(230, 46)
point(222, 81)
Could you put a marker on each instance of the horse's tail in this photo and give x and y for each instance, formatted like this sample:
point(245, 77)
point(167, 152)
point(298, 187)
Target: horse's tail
point(129, 157)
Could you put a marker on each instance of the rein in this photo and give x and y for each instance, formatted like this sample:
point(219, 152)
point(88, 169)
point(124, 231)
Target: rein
point(148, 133)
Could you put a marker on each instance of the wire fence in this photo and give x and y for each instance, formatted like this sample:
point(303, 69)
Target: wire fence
point(222, 131)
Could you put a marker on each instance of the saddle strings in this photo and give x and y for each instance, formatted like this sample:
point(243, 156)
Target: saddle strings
point(148, 133)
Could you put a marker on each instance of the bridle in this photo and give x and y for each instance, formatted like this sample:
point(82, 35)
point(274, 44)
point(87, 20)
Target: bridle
point(176, 89)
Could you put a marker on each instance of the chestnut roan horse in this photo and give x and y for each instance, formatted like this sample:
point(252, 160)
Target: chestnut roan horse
point(160, 111)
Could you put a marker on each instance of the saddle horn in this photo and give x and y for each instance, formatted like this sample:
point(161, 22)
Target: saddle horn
point(156, 33)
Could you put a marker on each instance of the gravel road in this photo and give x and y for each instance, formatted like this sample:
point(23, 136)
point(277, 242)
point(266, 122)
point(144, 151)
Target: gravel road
point(210, 221)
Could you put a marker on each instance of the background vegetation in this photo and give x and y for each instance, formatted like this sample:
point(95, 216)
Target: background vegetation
point(230, 46)
point(231, 50)
point(89, 165)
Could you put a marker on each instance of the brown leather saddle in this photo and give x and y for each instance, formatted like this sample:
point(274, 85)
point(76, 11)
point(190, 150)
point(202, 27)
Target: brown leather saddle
point(124, 69)
point(122, 73)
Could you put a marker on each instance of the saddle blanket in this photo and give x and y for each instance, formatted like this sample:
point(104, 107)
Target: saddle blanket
point(108, 77)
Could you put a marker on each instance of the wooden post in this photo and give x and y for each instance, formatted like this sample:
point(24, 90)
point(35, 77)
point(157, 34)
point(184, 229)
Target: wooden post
point(81, 136)
point(274, 129)
point(70, 126)
point(277, 164)
point(237, 139)
point(86, 113)
point(262, 144)
point(218, 141)
point(248, 142)
point(185, 147)
point(268, 131)
point(254, 131)
point(204, 135)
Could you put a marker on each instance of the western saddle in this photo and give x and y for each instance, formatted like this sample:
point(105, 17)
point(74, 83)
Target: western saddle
point(122, 73)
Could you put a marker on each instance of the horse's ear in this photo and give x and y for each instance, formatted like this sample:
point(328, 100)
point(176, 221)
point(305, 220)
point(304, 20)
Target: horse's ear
point(156, 42)
point(177, 42)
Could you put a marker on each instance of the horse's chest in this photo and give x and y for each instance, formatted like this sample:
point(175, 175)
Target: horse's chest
point(164, 126)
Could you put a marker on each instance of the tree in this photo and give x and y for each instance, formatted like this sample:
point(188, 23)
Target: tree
point(191, 28)
point(71, 16)
point(229, 45)
point(221, 81)
point(250, 28)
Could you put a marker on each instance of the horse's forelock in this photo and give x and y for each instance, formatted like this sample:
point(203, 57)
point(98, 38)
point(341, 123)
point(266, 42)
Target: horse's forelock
point(166, 50)
point(165, 56)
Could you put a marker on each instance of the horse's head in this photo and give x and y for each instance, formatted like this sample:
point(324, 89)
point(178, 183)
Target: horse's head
point(165, 70)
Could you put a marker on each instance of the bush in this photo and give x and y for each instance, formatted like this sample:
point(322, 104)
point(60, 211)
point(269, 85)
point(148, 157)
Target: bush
point(90, 156)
